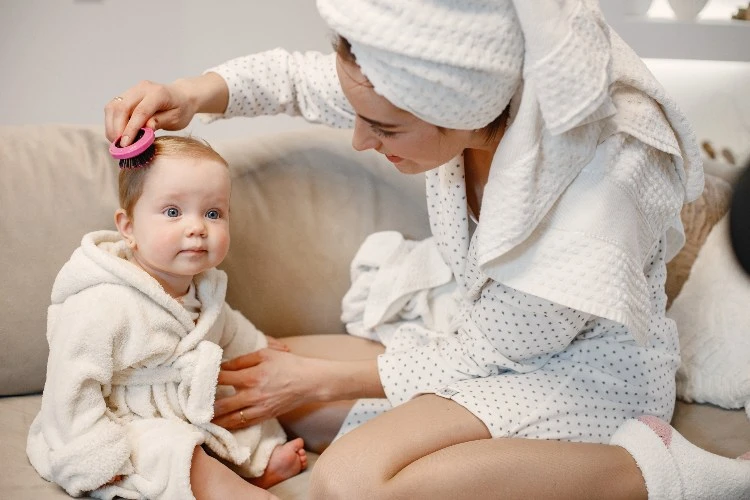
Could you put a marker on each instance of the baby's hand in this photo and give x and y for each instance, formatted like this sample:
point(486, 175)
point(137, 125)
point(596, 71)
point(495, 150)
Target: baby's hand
point(276, 344)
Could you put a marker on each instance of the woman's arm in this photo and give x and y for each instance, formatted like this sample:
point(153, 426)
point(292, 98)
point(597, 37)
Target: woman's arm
point(163, 106)
point(267, 83)
point(269, 383)
point(279, 82)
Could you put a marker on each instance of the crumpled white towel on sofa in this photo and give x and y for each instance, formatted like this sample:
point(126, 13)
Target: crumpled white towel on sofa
point(399, 287)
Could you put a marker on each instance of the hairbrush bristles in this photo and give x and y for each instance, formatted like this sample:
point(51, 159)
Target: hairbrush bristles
point(139, 153)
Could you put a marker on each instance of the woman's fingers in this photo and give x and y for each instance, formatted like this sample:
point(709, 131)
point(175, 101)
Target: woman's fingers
point(118, 110)
point(229, 404)
point(147, 104)
point(236, 378)
point(154, 98)
point(245, 361)
point(267, 383)
point(276, 344)
point(240, 418)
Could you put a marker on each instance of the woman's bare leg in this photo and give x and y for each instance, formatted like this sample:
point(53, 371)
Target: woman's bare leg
point(318, 423)
point(432, 447)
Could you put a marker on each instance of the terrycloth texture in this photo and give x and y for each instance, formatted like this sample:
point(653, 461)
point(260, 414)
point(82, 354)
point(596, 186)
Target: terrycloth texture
point(452, 63)
point(674, 469)
point(396, 280)
point(596, 193)
point(128, 371)
point(713, 320)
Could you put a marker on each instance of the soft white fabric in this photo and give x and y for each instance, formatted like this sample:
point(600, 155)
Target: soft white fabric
point(455, 64)
point(675, 469)
point(396, 280)
point(568, 199)
point(131, 379)
point(712, 313)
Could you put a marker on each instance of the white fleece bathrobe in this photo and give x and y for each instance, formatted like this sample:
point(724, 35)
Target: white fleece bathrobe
point(131, 380)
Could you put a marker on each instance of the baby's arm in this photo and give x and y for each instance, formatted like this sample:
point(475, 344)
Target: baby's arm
point(72, 441)
point(239, 336)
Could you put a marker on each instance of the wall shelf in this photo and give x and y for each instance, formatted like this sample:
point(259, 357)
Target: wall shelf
point(670, 39)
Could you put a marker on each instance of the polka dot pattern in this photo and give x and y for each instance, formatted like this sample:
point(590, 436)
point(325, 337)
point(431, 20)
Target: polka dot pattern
point(297, 84)
point(529, 368)
point(525, 366)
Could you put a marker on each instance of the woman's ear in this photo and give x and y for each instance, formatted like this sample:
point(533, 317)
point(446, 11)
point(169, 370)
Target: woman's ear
point(124, 224)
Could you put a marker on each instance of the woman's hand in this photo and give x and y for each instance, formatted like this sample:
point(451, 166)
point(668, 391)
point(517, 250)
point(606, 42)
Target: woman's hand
point(163, 106)
point(274, 343)
point(267, 383)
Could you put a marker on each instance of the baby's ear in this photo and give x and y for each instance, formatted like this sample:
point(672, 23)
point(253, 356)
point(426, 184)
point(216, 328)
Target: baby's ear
point(124, 225)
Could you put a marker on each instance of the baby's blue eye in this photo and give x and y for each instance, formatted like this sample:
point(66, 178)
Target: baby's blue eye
point(171, 212)
point(212, 214)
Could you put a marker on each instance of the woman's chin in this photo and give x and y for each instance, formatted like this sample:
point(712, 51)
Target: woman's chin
point(411, 168)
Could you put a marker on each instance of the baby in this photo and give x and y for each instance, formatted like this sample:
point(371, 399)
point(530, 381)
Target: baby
point(137, 330)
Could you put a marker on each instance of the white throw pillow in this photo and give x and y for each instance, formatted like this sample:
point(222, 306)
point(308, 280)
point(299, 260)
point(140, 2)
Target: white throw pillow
point(713, 319)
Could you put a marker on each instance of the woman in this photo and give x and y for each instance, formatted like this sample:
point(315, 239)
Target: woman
point(556, 168)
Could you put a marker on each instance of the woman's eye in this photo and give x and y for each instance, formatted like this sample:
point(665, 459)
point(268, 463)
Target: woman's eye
point(213, 214)
point(171, 212)
point(382, 133)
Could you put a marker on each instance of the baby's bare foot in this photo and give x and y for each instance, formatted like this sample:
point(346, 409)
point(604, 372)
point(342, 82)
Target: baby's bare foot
point(286, 461)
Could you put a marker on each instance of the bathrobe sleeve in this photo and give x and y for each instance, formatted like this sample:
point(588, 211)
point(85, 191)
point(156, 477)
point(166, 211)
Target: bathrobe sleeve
point(276, 81)
point(73, 441)
point(239, 336)
point(505, 330)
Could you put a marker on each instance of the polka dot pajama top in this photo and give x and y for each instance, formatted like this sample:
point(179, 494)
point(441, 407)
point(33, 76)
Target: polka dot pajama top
point(524, 365)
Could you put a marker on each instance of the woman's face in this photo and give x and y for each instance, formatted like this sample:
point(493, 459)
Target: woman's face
point(412, 145)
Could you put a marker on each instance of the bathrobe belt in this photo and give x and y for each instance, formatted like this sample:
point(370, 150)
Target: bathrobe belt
point(195, 374)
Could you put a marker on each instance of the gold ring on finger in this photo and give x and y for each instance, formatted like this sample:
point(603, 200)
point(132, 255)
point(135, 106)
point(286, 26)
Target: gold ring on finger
point(118, 98)
point(242, 417)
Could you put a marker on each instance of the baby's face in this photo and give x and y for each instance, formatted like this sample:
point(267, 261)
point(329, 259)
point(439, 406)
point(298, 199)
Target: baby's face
point(181, 221)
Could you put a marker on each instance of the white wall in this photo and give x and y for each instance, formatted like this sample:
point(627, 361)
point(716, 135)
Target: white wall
point(62, 60)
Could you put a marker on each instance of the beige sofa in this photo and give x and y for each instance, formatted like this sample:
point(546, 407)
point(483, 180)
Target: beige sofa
point(302, 203)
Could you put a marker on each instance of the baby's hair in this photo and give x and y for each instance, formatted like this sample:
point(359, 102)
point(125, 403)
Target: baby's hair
point(131, 180)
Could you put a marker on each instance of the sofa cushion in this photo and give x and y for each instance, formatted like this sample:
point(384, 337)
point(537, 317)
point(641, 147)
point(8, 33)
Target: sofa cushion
point(58, 182)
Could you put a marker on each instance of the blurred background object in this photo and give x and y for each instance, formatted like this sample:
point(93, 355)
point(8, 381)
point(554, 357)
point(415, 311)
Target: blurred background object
point(739, 219)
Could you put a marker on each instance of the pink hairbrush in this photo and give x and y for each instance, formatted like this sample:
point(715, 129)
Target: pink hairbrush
point(138, 154)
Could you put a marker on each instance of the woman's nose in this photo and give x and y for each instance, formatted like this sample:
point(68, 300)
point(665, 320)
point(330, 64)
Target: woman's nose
point(363, 138)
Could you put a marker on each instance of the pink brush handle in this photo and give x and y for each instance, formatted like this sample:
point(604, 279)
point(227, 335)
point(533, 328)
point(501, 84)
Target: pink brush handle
point(134, 149)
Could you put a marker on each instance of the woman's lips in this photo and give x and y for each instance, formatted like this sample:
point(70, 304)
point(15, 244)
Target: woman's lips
point(394, 159)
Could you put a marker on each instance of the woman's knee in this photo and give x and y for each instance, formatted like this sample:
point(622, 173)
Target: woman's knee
point(339, 475)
